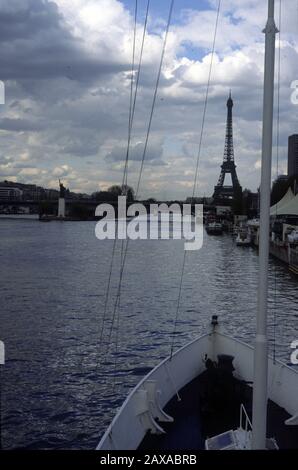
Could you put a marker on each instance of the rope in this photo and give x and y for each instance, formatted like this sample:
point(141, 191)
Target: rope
point(107, 293)
point(135, 97)
point(125, 176)
point(131, 82)
point(154, 96)
point(196, 173)
point(140, 172)
point(132, 103)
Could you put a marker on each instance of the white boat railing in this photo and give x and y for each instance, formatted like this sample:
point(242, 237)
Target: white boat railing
point(243, 413)
point(187, 363)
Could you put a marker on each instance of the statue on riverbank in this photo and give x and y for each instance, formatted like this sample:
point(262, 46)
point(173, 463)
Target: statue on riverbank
point(62, 190)
point(61, 201)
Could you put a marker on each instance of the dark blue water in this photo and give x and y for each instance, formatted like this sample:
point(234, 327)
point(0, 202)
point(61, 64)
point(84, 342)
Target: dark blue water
point(60, 386)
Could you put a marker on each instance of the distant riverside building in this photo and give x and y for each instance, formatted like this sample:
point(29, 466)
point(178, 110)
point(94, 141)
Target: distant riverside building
point(31, 192)
point(293, 155)
point(9, 193)
point(26, 192)
point(282, 178)
point(194, 200)
point(51, 194)
point(251, 201)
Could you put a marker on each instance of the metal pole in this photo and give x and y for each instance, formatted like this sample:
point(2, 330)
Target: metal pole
point(259, 417)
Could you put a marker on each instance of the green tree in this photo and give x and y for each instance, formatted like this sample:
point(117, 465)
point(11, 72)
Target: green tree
point(126, 190)
point(80, 210)
point(115, 190)
point(151, 200)
point(46, 208)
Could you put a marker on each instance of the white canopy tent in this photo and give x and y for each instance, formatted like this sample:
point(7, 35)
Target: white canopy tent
point(289, 208)
point(285, 200)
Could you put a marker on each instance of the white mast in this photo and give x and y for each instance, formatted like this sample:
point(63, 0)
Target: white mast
point(259, 417)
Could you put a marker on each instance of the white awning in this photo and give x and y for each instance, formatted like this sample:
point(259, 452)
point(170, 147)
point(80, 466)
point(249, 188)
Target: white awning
point(288, 197)
point(289, 208)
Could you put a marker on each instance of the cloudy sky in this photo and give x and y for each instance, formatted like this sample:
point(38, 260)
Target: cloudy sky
point(66, 68)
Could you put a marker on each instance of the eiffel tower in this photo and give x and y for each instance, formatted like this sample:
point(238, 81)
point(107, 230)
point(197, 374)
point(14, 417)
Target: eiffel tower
point(225, 194)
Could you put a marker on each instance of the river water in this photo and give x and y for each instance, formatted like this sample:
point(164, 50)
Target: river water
point(61, 385)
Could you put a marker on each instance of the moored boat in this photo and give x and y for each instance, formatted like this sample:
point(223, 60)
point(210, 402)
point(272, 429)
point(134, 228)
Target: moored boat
point(293, 237)
point(243, 237)
point(214, 228)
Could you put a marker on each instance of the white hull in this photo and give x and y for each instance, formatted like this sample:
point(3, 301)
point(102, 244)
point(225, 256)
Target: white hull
point(245, 242)
point(138, 413)
point(243, 238)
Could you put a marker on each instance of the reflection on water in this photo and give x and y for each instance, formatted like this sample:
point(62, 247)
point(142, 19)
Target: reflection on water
point(60, 386)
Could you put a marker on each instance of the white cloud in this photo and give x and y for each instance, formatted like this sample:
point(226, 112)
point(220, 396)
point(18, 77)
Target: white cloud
point(30, 172)
point(62, 170)
point(70, 120)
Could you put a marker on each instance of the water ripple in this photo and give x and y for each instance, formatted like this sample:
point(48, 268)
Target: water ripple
point(60, 386)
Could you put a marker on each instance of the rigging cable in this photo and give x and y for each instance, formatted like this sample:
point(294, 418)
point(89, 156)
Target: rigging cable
point(131, 90)
point(196, 172)
point(125, 173)
point(132, 103)
point(135, 95)
point(154, 96)
point(277, 171)
point(142, 166)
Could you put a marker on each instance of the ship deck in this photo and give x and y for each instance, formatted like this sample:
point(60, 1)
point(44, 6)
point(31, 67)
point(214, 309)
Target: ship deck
point(193, 424)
